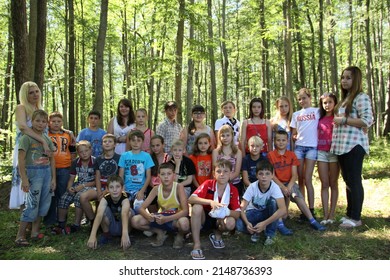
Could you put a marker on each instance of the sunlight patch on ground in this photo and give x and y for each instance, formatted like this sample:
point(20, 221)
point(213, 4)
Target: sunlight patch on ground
point(45, 250)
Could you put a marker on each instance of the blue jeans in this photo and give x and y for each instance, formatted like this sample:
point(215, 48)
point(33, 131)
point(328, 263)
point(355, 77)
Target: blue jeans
point(256, 216)
point(62, 177)
point(38, 198)
point(351, 165)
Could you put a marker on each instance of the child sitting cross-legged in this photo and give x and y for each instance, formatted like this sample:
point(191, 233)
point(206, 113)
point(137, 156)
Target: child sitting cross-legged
point(286, 173)
point(172, 215)
point(262, 205)
point(112, 215)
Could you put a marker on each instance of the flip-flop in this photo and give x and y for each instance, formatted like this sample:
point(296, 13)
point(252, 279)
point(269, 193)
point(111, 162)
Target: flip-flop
point(197, 254)
point(348, 223)
point(38, 237)
point(22, 242)
point(217, 244)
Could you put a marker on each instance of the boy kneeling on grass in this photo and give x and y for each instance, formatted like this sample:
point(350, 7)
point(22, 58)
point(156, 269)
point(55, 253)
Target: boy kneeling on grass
point(262, 205)
point(215, 205)
point(173, 209)
point(113, 215)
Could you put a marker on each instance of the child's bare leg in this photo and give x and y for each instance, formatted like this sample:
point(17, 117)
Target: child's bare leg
point(22, 230)
point(197, 216)
point(140, 223)
point(323, 172)
point(309, 167)
point(62, 213)
point(303, 207)
point(35, 227)
point(79, 216)
point(301, 181)
point(85, 199)
point(334, 172)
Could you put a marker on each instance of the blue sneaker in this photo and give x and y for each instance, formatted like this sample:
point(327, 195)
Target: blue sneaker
point(285, 230)
point(317, 226)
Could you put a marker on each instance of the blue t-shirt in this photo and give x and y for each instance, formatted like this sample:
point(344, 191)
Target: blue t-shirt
point(94, 137)
point(135, 166)
point(249, 165)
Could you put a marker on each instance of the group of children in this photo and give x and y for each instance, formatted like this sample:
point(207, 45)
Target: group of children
point(155, 191)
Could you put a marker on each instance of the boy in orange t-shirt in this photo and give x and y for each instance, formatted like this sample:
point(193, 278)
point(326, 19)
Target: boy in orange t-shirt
point(64, 152)
point(286, 173)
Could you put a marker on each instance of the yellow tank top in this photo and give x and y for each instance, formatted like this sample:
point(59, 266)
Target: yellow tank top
point(169, 204)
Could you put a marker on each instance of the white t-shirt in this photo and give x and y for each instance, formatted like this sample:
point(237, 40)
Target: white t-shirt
point(305, 121)
point(234, 123)
point(258, 199)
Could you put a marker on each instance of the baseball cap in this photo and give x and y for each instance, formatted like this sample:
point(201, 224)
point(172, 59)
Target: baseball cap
point(170, 104)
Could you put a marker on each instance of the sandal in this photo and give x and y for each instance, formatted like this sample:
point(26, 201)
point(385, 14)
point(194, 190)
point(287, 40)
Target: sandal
point(160, 240)
point(37, 237)
point(22, 242)
point(217, 244)
point(349, 223)
point(197, 254)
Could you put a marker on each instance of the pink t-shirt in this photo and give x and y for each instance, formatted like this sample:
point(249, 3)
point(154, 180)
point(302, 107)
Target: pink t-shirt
point(325, 130)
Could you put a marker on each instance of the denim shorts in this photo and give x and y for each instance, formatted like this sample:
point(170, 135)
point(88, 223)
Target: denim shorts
point(168, 226)
point(38, 198)
point(303, 152)
point(327, 156)
point(115, 227)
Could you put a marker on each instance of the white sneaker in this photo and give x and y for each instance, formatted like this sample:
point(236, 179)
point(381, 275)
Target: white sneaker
point(255, 237)
point(148, 233)
point(269, 241)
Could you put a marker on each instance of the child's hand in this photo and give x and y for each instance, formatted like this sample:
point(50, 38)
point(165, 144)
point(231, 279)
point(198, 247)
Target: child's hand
point(125, 242)
point(92, 243)
point(259, 227)
point(215, 205)
point(25, 186)
point(250, 228)
point(47, 150)
point(72, 189)
point(53, 185)
point(140, 195)
point(160, 219)
point(152, 217)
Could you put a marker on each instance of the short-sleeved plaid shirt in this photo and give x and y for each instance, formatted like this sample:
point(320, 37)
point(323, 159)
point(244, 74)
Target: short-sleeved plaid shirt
point(169, 131)
point(346, 137)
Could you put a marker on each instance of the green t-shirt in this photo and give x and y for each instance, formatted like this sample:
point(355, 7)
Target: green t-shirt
point(35, 154)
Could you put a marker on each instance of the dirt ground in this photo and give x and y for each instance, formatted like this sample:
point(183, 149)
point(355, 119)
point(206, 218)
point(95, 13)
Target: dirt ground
point(140, 243)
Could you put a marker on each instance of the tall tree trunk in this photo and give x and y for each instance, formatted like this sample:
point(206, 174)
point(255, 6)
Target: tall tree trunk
point(264, 86)
point(179, 59)
point(350, 49)
point(225, 60)
point(213, 93)
point(369, 66)
point(301, 55)
point(19, 30)
point(288, 48)
point(190, 65)
point(5, 112)
point(39, 72)
point(313, 51)
point(32, 39)
point(72, 65)
point(98, 104)
point(320, 52)
point(83, 115)
point(332, 51)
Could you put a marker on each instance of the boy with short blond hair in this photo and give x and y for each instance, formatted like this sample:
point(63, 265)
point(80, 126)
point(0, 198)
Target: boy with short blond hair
point(286, 165)
point(255, 145)
point(81, 179)
point(113, 215)
point(38, 175)
point(135, 168)
point(215, 205)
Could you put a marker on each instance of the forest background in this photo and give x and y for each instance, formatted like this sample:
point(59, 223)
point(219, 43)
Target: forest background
point(89, 54)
